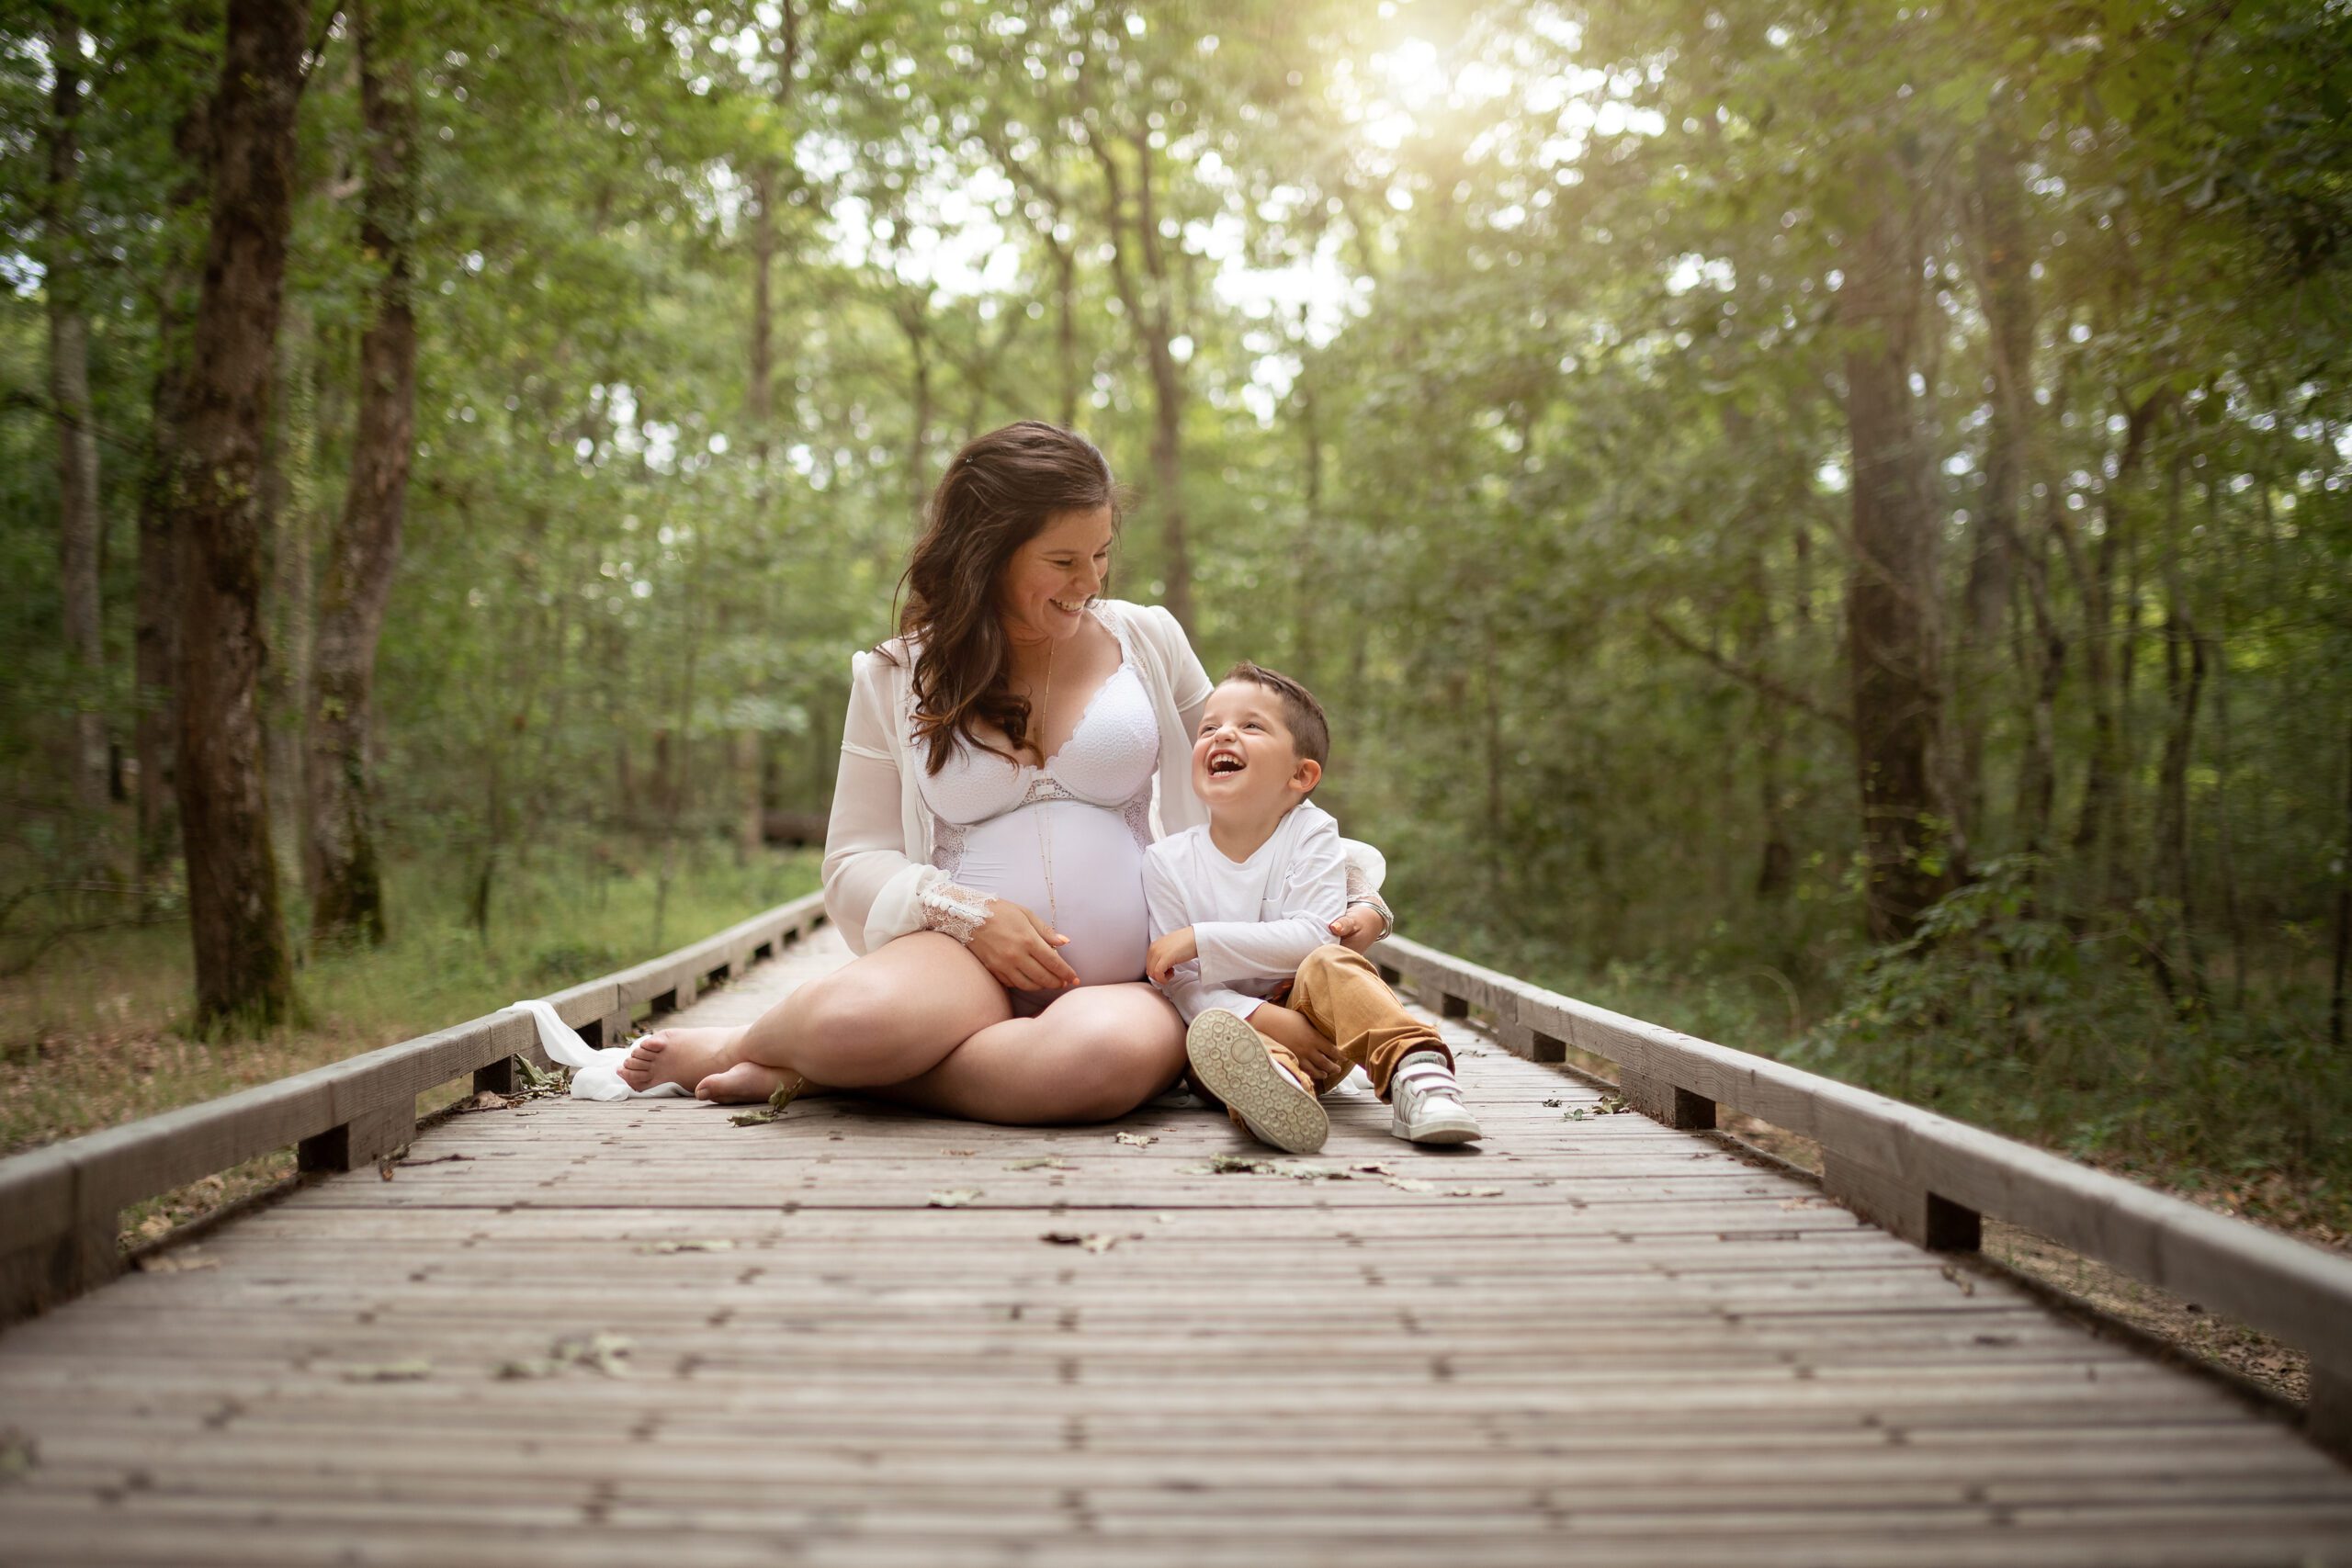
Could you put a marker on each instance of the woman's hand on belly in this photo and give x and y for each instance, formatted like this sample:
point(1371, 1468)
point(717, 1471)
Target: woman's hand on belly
point(1015, 946)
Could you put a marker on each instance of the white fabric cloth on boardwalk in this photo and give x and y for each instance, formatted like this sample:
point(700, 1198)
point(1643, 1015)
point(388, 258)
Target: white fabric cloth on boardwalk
point(595, 1074)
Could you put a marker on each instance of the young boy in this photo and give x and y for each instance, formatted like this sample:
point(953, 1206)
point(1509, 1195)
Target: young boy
point(1240, 908)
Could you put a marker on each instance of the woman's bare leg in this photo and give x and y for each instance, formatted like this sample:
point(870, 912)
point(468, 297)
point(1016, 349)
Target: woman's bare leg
point(921, 1022)
point(885, 1018)
point(1096, 1053)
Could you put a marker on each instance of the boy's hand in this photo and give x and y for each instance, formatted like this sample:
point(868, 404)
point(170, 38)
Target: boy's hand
point(1176, 947)
point(1357, 926)
point(1303, 1040)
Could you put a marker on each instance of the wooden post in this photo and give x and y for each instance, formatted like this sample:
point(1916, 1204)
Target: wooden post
point(1392, 978)
point(36, 1277)
point(600, 1033)
point(499, 1077)
point(365, 1139)
point(1900, 1208)
point(677, 999)
point(1532, 1045)
point(2327, 1410)
point(1451, 1006)
point(1662, 1101)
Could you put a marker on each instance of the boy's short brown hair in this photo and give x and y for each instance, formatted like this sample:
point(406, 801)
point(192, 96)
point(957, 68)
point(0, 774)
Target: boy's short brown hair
point(1309, 730)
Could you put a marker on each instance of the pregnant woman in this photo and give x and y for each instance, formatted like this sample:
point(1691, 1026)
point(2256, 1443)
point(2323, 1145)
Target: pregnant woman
point(1000, 767)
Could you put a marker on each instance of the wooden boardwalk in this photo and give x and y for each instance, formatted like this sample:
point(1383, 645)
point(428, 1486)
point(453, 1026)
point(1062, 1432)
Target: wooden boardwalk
point(1593, 1340)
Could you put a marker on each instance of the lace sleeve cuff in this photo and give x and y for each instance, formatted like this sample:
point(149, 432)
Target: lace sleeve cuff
point(1359, 892)
point(954, 911)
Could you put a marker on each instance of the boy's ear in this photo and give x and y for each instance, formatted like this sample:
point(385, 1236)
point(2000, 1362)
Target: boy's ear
point(1308, 774)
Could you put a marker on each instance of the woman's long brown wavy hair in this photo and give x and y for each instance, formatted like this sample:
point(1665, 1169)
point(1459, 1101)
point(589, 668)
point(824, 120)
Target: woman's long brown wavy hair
point(998, 493)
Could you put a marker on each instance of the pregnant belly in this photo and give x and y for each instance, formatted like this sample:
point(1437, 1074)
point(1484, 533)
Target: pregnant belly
point(1096, 897)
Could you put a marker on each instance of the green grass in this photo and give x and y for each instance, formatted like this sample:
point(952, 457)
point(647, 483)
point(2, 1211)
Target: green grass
point(92, 1034)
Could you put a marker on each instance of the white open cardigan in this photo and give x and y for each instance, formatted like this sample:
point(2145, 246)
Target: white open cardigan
point(877, 860)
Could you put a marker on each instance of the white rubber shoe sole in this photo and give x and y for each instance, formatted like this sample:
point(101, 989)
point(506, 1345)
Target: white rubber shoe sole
point(1234, 1065)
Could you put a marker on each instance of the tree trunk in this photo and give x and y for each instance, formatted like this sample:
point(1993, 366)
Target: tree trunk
point(759, 405)
point(157, 637)
point(750, 816)
point(2096, 826)
point(2043, 656)
point(1892, 595)
point(1151, 319)
point(1066, 327)
point(77, 437)
point(2004, 264)
point(2225, 749)
point(2336, 990)
point(1306, 583)
point(2184, 680)
point(289, 598)
point(346, 881)
point(241, 970)
point(914, 319)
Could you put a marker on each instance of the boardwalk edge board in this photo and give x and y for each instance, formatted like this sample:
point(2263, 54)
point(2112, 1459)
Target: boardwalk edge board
point(1928, 1179)
point(60, 1205)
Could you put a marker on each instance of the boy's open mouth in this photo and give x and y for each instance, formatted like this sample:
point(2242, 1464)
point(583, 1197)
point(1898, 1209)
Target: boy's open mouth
point(1225, 764)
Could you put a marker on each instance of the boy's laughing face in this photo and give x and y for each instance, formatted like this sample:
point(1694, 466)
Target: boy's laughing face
point(1244, 758)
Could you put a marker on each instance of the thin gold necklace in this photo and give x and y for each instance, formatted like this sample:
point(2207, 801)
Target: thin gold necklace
point(1045, 844)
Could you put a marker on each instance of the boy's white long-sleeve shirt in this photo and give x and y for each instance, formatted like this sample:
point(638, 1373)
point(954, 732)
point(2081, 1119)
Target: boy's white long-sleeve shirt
point(1254, 921)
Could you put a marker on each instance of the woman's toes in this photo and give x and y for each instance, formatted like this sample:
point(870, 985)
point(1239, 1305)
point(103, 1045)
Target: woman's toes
point(745, 1083)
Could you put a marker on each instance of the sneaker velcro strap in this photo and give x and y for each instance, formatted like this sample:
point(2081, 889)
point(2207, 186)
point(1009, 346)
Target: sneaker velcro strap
point(1425, 1072)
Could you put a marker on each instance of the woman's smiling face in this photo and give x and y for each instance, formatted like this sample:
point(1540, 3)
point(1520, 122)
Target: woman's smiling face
point(1043, 591)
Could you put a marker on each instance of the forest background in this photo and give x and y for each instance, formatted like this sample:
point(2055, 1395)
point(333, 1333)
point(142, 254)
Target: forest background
point(1824, 525)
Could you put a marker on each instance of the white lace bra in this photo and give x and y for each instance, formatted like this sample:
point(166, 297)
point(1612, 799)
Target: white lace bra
point(1108, 761)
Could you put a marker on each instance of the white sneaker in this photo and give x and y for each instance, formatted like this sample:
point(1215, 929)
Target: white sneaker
point(1235, 1067)
point(1426, 1103)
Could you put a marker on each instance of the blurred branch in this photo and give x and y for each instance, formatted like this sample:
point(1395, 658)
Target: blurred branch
point(50, 938)
point(1746, 676)
point(33, 402)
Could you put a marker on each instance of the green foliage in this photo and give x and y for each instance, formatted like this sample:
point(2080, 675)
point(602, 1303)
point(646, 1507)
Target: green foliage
point(2002, 1013)
point(1512, 418)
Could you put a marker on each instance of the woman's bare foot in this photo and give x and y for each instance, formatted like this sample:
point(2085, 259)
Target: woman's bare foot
point(682, 1056)
point(745, 1083)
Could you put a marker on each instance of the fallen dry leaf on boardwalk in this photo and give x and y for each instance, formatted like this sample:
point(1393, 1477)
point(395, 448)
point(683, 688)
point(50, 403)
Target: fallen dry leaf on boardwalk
point(602, 1352)
point(953, 1198)
point(1042, 1162)
point(1095, 1242)
point(414, 1370)
point(693, 1244)
point(176, 1263)
point(1135, 1140)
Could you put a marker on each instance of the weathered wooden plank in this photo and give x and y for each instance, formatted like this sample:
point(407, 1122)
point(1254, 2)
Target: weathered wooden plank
point(1646, 1350)
point(2297, 1292)
point(57, 1204)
